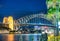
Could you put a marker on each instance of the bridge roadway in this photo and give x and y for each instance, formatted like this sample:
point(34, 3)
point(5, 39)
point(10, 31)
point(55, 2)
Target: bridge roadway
point(5, 26)
point(37, 24)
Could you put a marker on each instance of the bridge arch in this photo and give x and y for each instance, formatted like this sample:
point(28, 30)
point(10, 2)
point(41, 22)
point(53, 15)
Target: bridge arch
point(39, 20)
point(26, 19)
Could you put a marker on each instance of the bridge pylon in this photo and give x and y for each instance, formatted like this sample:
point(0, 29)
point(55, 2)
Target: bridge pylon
point(9, 21)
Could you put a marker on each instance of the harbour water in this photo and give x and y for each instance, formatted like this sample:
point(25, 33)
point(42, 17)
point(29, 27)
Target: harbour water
point(20, 37)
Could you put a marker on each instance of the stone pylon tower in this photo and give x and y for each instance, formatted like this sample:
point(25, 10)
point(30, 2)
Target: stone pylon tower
point(5, 20)
point(9, 21)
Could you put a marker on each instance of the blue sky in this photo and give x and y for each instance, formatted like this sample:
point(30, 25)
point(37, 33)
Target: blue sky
point(19, 8)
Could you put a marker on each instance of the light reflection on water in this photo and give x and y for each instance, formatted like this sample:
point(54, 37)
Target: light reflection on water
point(19, 37)
point(10, 37)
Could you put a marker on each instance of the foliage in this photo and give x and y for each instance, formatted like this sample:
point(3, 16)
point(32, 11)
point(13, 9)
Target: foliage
point(52, 10)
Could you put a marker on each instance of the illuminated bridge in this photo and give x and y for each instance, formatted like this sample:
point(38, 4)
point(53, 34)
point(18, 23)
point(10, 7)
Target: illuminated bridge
point(34, 19)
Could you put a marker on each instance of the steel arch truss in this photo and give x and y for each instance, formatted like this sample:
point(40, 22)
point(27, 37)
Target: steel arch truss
point(24, 20)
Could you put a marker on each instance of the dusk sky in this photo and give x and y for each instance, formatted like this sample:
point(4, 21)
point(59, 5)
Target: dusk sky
point(19, 8)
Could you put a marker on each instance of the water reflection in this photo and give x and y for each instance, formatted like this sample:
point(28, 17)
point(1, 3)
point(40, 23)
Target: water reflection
point(10, 37)
point(6, 37)
point(19, 37)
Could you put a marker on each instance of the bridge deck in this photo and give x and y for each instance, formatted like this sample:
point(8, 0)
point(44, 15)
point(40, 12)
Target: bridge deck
point(36, 24)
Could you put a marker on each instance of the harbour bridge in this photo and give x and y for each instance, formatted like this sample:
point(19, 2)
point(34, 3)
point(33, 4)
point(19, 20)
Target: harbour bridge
point(34, 19)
